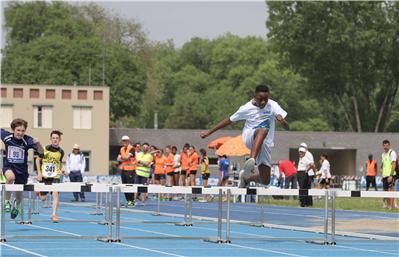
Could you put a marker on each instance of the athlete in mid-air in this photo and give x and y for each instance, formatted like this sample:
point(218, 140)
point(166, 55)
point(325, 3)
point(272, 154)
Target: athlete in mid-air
point(258, 134)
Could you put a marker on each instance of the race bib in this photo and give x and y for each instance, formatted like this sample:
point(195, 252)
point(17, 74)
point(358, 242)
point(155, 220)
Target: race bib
point(16, 154)
point(50, 170)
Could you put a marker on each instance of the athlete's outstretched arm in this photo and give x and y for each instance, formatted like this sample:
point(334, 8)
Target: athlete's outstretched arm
point(283, 122)
point(221, 125)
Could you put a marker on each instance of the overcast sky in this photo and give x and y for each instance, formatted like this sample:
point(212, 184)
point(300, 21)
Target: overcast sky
point(183, 20)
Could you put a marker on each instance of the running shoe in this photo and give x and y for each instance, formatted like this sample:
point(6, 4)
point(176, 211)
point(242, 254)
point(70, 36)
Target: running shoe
point(211, 198)
point(136, 203)
point(154, 197)
point(202, 201)
point(176, 198)
point(130, 204)
point(54, 218)
point(241, 183)
point(142, 203)
point(15, 210)
point(7, 207)
point(126, 204)
point(384, 205)
point(171, 199)
point(249, 166)
point(396, 206)
point(224, 200)
point(37, 193)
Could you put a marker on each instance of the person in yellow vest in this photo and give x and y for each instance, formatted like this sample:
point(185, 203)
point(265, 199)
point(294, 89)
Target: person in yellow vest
point(127, 155)
point(49, 168)
point(371, 172)
point(388, 172)
point(144, 160)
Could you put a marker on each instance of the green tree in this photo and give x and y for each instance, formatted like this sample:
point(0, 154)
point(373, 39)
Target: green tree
point(344, 49)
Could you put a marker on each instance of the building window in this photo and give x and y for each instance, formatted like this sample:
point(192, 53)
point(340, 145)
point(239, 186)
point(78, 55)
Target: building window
point(87, 155)
point(98, 95)
point(6, 115)
point(50, 94)
point(43, 117)
point(2, 157)
point(35, 155)
point(66, 94)
point(81, 117)
point(18, 93)
point(82, 95)
point(3, 92)
point(34, 93)
point(213, 160)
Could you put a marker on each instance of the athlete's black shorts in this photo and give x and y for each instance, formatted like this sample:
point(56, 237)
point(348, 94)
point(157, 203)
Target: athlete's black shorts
point(159, 176)
point(370, 180)
point(323, 181)
point(49, 181)
point(183, 172)
point(193, 172)
point(205, 176)
point(385, 183)
point(171, 173)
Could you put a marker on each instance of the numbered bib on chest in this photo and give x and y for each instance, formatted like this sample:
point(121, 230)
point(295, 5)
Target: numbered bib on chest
point(16, 154)
point(50, 170)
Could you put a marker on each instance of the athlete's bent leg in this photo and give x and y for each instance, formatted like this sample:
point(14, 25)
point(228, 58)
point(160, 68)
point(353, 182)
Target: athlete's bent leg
point(262, 177)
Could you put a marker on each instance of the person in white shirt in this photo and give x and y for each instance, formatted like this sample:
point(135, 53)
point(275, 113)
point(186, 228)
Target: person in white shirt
point(75, 166)
point(260, 114)
point(325, 173)
point(304, 165)
point(176, 166)
point(312, 171)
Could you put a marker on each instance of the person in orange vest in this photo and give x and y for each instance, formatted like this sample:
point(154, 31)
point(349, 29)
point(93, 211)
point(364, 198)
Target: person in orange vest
point(127, 155)
point(371, 172)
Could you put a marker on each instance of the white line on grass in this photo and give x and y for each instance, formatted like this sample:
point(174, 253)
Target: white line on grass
point(365, 250)
point(147, 249)
point(17, 248)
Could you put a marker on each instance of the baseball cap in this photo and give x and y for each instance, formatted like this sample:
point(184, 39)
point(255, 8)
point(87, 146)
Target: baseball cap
point(370, 156)
point(278, 163)
point(304, 145)
point(125, 138)
point(302, 149)
point(76, 146)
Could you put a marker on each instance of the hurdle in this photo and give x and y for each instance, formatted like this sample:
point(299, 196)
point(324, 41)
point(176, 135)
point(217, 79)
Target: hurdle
point(263, 192)
point(359, 237)
point(54, 187)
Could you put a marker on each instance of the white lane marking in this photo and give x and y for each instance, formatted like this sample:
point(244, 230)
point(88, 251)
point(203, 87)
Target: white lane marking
point(141, 248)
point(23, 250)
point(54, 230)
point(364, 250)
point(264, 250)
point(149, 231)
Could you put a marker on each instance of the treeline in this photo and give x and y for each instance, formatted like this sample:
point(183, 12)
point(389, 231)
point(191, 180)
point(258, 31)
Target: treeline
point(326, 72)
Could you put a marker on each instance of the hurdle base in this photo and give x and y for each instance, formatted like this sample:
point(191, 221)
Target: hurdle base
point(23, 222)
point(105, 223)
point(317, 242)
point(155, 214)
point(96, 213)
point(35, 213)
point(109, 240)
point(183, 224)
point(47, 207)
point(3, 240)
point(258, 225)
point(217, 241)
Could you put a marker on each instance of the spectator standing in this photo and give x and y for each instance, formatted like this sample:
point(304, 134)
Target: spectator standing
point(176, 167)
point(276, 175)
point(76, 165)
point(312, 171)
point(388, 171)
point(127, 155)
point(205, 173)
point(184, 164)
point(371, 172)
point(287, 168)
point(304, 165)
point(116, 170)
point(144, 160)
point(159, 172)
point(325, 174)
point(193, 163)
point(223, 167)
point(170, 171)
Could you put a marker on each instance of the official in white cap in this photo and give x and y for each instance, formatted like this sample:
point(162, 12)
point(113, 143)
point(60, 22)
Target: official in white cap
point(127, 155)
point(75, 166)
point(312, 171)
point(304, 165)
